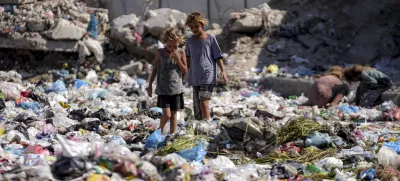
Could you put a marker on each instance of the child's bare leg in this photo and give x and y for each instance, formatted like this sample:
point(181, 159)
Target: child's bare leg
point(164, 118)
point(173, 122)
point(205, 109)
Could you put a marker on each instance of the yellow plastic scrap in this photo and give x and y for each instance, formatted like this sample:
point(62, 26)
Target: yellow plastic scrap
point(2, 130)
point(273, 68)
point(97, 177)
point(64, 105)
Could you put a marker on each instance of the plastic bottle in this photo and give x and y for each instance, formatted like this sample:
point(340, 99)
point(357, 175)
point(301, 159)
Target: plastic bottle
point(317, 139)
point(368, 174)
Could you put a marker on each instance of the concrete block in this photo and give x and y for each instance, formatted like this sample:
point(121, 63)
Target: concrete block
point(65, 30)
point(186, 6)
point(50, 45)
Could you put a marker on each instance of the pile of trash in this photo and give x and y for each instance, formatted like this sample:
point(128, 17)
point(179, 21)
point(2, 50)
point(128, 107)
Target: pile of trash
point(104, 127)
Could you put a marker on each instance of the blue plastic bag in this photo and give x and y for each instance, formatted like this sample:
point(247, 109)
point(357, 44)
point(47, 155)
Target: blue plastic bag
point(251, 94)
point(60, 73)
point(348, 109)
point(117, 139)
point(141, 81)
point(79, 83)
point(155, 140)
point(30, 105)
point(156, 110)
point(57, 87)
point(394, 146)
point(98, 93)
point(195, 154)
point(92, 26)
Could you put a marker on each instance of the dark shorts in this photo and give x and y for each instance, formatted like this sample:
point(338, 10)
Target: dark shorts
point(174, 102)
point(204, 91)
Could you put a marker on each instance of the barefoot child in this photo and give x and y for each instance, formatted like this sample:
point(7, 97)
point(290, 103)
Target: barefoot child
point(203, 53)
point(169, 65)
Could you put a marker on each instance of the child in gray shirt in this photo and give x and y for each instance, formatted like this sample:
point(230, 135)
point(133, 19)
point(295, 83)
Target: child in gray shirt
point(203, 53)
point(169, 67)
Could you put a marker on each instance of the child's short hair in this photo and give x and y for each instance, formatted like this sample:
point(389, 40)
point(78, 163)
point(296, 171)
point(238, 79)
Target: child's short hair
point(353, 72)
point(174, 35)
point(196, 17)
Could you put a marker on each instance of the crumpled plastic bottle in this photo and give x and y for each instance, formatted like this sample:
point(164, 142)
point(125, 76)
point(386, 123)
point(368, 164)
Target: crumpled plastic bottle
point(317, 139)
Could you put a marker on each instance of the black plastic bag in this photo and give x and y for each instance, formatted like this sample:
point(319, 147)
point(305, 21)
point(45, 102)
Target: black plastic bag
point(69, 168)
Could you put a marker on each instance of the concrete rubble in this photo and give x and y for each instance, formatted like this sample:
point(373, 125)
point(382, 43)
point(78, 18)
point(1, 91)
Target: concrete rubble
point(48, 25)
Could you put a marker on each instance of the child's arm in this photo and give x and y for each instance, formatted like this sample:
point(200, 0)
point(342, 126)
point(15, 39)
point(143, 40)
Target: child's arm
point(182, 62)
point(217, 54)
point(153, 75)
point(220, 63)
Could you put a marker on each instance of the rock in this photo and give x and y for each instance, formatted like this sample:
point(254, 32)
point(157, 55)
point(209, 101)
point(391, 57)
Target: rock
point(159, 19)
point(362, 54)
point(36, 25)
point(121, 29)
point(274, 19)
point(280, 45)
point(133, 68)
point(65, 30)
point(388, 47)
point(245, 124)
point(247, 22)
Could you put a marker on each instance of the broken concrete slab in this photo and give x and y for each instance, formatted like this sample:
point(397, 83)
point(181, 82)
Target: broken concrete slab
point(36, 25)
point(49, 45)
point(65, 30)
point(247, 22)
point(160, 19)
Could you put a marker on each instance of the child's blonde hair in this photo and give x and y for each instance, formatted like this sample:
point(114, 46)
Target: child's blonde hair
point(196, 17)
point(173, 34)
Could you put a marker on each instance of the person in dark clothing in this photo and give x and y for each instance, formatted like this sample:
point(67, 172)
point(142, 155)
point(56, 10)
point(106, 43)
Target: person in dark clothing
point(372, 84)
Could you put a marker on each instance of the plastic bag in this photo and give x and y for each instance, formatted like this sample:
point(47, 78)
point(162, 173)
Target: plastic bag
point(387, 156)
point(92, 26)
point(10, 90)
point(92, 76)
point(57, 87)
point(95, 47)
point(79, 83)
point(348, 109)
point(60, 121)
point(195, 154)
point(155, 140)
point(30, 105)
point(175, 158)
point(395, 146)
point(97, 93)
point(221, 162)
point(72, 149)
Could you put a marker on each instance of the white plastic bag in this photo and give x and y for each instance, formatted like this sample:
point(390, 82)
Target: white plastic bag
point(74, 149)
point(95, 47)
point(11, 90)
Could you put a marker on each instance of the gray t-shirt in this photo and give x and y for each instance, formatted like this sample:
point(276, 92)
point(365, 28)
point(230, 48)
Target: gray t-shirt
point(203, 55)
point(169, 75)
